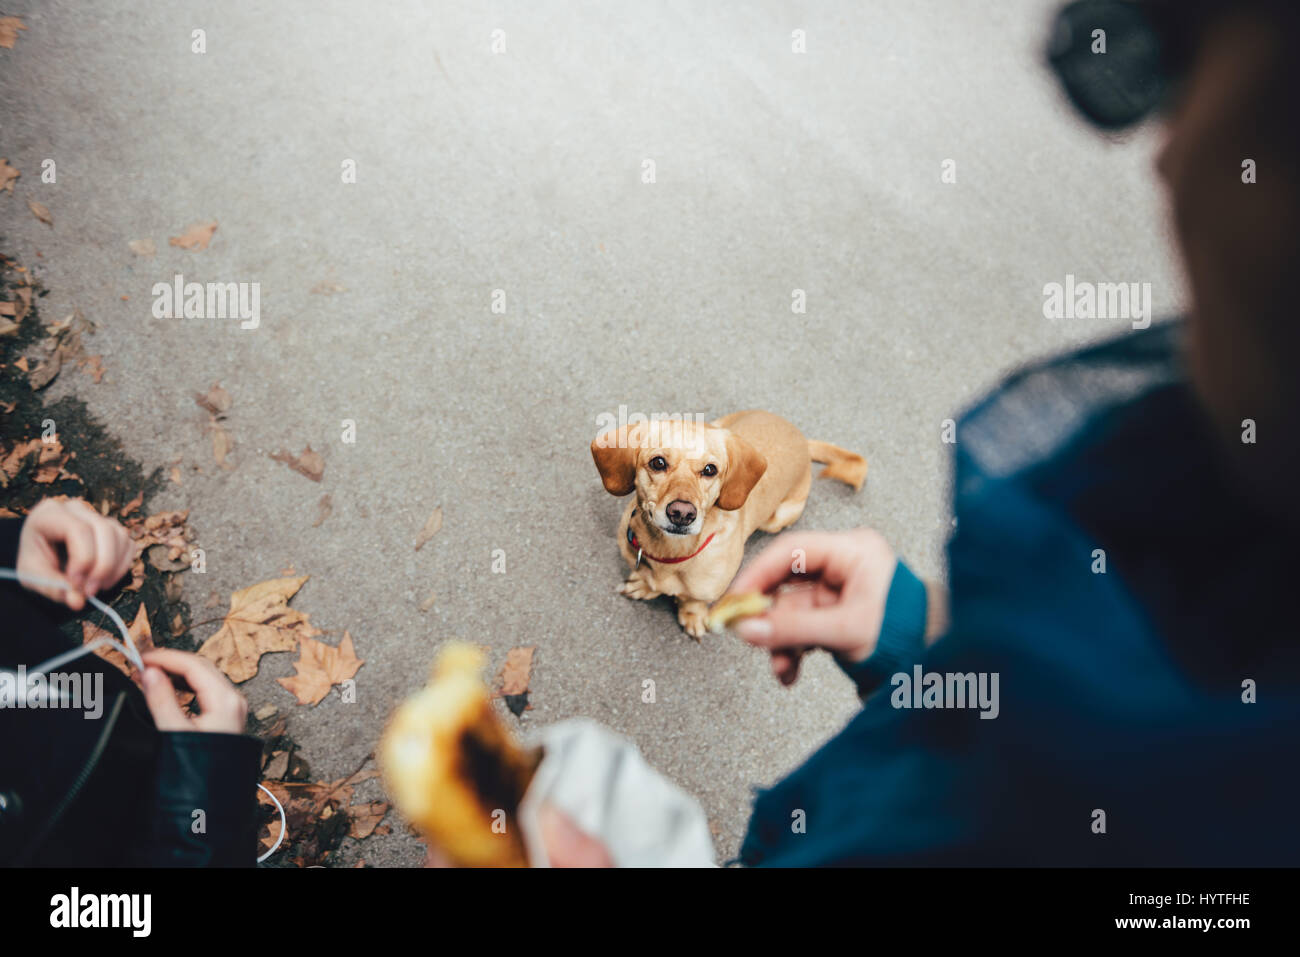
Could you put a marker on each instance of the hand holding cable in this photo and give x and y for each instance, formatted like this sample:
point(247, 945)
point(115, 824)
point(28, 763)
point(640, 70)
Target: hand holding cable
point(67, 539)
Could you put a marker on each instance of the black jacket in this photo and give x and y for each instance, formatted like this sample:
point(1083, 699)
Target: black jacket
point(109, 789)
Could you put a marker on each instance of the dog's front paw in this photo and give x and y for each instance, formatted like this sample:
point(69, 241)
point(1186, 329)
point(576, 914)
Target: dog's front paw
point(638, 588)
point(691, 616)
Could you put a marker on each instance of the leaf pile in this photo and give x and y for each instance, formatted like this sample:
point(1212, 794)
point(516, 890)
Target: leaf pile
point(320, 814)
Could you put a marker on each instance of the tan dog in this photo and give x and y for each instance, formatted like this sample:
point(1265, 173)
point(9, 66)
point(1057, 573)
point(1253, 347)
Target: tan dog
point(701, 491)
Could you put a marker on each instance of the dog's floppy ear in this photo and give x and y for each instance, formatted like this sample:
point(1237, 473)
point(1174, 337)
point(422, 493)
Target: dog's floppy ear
point(615, 455)
point(745, 466)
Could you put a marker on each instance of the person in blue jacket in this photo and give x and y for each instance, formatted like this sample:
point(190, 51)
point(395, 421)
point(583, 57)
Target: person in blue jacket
point(1114, 675)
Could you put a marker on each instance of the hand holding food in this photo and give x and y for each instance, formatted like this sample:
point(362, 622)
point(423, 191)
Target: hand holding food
point(453, 768)
point(735, 607)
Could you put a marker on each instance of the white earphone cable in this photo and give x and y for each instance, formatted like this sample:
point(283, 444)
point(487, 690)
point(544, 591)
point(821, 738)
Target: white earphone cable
point(126, 646)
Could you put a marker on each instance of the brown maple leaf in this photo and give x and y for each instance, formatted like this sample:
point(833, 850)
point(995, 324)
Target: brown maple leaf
point(259, 621)
point(7, 175)
point(320, 667)
point(309, 463)
point(196, 236)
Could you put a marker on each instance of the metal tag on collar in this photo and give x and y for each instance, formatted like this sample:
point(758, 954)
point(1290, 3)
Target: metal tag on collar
point(631, 540)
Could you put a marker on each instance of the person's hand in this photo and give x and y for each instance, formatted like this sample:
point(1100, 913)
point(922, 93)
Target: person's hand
point(222, 709)
point(566, 845)
point(67, 539)
point(829, 591)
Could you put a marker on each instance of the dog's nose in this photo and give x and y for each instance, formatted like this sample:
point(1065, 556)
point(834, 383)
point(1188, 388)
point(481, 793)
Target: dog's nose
point(681, 513)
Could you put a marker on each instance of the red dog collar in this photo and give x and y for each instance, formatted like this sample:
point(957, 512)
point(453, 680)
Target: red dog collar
point(631, 540)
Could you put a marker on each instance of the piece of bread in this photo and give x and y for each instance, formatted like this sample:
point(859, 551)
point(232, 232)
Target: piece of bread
point(454, 769)
point(732, 608)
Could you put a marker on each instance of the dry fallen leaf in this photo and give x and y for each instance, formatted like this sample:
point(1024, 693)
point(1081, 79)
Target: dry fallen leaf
point(94, 366)
point(365, 818)
point(268, 840)
point(13, 312)
point(516, 672)
point(430, 529)
point(63, 344)
point(278, 766)
point(9, 27)
point(143, 247)
point(217, 401)
point(309, 463)
point(24, 300)
point(175, 475)
point(7, 175)
point(306, 804)
point(40, 212)
point(222, 443)
point(196, 236)
point(131, 506)
point(259, 621)
point(320, 667)
point(50, 462)
point(512, 683)
point(428, 602)
point(47, 371)
point(16, 456)
point(165, 529)
point(49, 465)
point(325, 507)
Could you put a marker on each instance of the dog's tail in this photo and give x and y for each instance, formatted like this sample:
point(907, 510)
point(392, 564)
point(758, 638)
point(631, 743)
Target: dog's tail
point(849, 467)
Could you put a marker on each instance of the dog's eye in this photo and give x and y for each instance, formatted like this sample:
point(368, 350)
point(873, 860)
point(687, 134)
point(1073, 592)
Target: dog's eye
point(657, 464)
point(710, 470)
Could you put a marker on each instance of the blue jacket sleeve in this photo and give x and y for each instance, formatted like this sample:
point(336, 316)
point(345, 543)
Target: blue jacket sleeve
point(902, 633)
